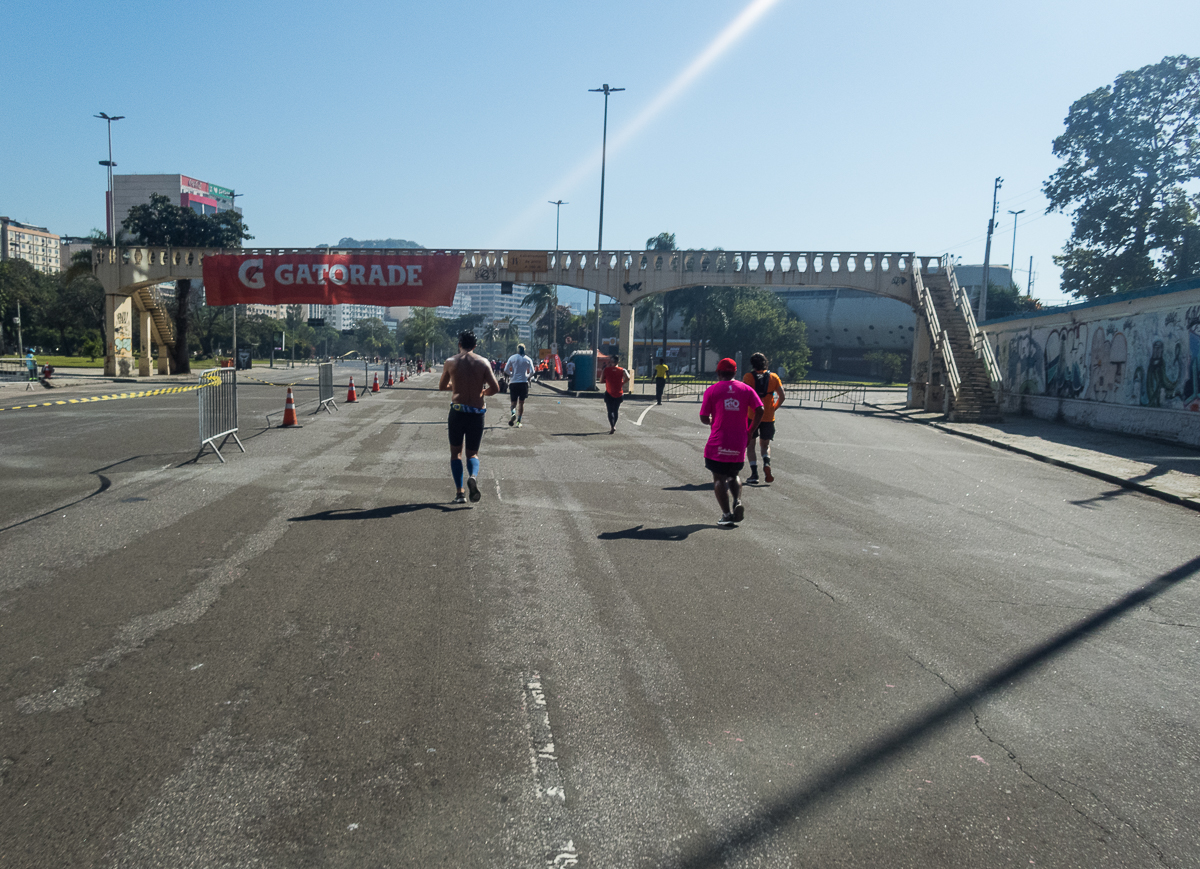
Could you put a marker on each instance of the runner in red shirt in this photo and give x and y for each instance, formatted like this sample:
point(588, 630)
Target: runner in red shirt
point(615, 378)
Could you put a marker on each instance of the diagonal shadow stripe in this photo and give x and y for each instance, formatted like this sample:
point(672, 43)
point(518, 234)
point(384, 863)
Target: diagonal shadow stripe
point(848, 770)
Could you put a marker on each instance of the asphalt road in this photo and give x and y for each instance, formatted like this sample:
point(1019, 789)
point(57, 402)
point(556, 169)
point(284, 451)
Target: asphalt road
point(916, 651)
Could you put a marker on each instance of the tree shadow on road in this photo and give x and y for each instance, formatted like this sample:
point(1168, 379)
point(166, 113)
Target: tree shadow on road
point(376, 512)
point(638, 532)
point(725, 845)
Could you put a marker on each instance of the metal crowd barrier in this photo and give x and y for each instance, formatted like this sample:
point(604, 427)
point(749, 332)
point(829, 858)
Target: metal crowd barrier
point(218, 409)
point(811, 391)
point(325, 387)
point(17, 369)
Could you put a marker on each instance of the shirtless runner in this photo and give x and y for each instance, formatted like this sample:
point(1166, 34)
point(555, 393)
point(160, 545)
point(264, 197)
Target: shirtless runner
point(468, 378)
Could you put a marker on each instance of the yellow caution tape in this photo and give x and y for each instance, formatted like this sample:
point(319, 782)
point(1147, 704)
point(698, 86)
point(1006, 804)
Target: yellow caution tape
point(172, 390)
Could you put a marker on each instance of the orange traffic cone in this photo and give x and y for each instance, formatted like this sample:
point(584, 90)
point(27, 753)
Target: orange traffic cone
point(289, 411)
point(351, 396)
point(375, 385)
point(391, 379)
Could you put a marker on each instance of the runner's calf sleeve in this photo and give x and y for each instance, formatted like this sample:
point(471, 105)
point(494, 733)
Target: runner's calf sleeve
point(456, 468)
point(472, 466)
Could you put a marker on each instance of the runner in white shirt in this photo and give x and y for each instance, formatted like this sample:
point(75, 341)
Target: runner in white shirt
point(519, 369)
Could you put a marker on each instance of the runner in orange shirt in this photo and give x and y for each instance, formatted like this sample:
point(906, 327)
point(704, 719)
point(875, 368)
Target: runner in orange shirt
point(768, 385)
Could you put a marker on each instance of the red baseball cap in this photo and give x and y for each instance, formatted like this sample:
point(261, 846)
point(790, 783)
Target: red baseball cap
point(726, 365)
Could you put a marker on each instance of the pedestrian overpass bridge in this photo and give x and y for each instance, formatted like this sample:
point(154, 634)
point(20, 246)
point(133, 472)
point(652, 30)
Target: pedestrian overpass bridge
point(953, 366)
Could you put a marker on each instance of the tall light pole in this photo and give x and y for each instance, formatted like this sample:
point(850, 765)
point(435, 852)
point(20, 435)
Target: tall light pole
point(606, 90)
point(112, 206)
point(987, 253)
point(233, 202)
point(1013, 257)
point(558, 204)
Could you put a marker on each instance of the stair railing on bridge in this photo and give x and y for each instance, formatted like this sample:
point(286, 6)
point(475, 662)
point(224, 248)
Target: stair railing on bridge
point(941, 340)
point(978, 340)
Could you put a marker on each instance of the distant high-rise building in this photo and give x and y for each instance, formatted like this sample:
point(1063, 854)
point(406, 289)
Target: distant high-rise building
point(486, 299)
point(459, 308)
point(200, 196)
point(35, 244)
point(346, 315)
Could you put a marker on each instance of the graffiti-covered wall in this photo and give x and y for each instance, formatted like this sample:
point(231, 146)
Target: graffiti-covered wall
point(1130, 363)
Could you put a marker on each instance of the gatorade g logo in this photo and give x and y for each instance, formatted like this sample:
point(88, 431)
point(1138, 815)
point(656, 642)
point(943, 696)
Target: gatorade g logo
point(251, 274)
point(733, 404)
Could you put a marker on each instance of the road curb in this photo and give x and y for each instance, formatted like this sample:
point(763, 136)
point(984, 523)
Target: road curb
point(1171, 497)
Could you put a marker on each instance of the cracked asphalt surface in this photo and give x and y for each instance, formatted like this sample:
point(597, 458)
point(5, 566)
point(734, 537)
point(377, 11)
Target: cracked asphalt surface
point(917, 650)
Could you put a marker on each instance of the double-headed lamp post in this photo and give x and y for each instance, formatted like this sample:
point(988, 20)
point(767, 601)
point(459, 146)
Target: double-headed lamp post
point(1013, 258)
point(112, 206)
point(606, 90)
point(558, 204)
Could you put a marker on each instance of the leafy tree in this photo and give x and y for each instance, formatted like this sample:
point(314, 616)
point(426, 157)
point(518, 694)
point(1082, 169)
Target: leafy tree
point(1003, 301)
point(758, 321)
point(163, 223)
point(36, 291)
point(890, 364)
point(1130, 152)
point(424, 330)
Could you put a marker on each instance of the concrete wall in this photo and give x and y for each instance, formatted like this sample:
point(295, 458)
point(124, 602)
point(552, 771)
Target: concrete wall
point(1129, 363)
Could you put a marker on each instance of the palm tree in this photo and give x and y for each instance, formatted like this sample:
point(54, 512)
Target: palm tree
point(648, 311)
point(542, 298)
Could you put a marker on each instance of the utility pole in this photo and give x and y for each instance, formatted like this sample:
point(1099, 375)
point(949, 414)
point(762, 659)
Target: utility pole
point(1029, 285)
point(606, 90)
point(987, 253)
point(557, 258)
point(1013, 256)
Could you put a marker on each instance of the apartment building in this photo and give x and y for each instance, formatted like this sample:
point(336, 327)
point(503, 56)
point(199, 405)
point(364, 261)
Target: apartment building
point(35, 244)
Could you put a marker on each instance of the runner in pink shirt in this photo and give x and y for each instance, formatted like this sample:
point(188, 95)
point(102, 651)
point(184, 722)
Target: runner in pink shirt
point(732, 409)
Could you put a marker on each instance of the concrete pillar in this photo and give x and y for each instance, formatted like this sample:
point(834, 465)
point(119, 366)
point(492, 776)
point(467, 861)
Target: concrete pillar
point(164, 358)
point(922, 358)
point(625, 338)
point(118, 356)
point(145, 321)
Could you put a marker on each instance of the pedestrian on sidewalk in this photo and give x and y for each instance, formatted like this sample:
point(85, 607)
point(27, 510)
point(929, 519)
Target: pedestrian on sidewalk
point(520, 369)
point(660, 379)
point(767, 386)
point(725, 408)
point(469, 378)
point(615, 380)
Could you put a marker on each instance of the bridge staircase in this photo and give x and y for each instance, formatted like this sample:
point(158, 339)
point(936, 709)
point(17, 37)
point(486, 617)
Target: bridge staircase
point(150, 300)
point(972, 373)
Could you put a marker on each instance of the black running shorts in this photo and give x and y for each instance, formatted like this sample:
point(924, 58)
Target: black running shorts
point(518, 391)
point(465, 426)
point(725, 469)
point(764, 430)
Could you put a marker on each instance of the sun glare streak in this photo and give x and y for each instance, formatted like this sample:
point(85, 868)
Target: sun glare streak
point(590, 165)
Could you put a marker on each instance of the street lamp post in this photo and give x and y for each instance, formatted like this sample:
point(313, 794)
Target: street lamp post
point(1013, 257)
point(232, 202)
point(112, 206)
point(606, 90)
point(558, 204)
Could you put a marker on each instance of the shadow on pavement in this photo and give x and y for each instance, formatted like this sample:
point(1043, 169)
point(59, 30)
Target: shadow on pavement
point(375, 512)
point(689, 487)
point(851, 768)
point(577, 434)
point(671, 532)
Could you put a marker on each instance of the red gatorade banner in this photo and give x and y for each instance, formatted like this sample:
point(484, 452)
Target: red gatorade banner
point(423, 280)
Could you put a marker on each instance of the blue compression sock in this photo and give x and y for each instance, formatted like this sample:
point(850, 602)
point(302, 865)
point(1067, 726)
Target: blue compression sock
point(456, 469)
point(473, 466)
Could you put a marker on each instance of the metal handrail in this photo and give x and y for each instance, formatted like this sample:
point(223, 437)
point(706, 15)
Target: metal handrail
point(941, 339)
point(978, 339)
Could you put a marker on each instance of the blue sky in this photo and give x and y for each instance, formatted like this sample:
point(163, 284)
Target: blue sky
point(837, 127)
